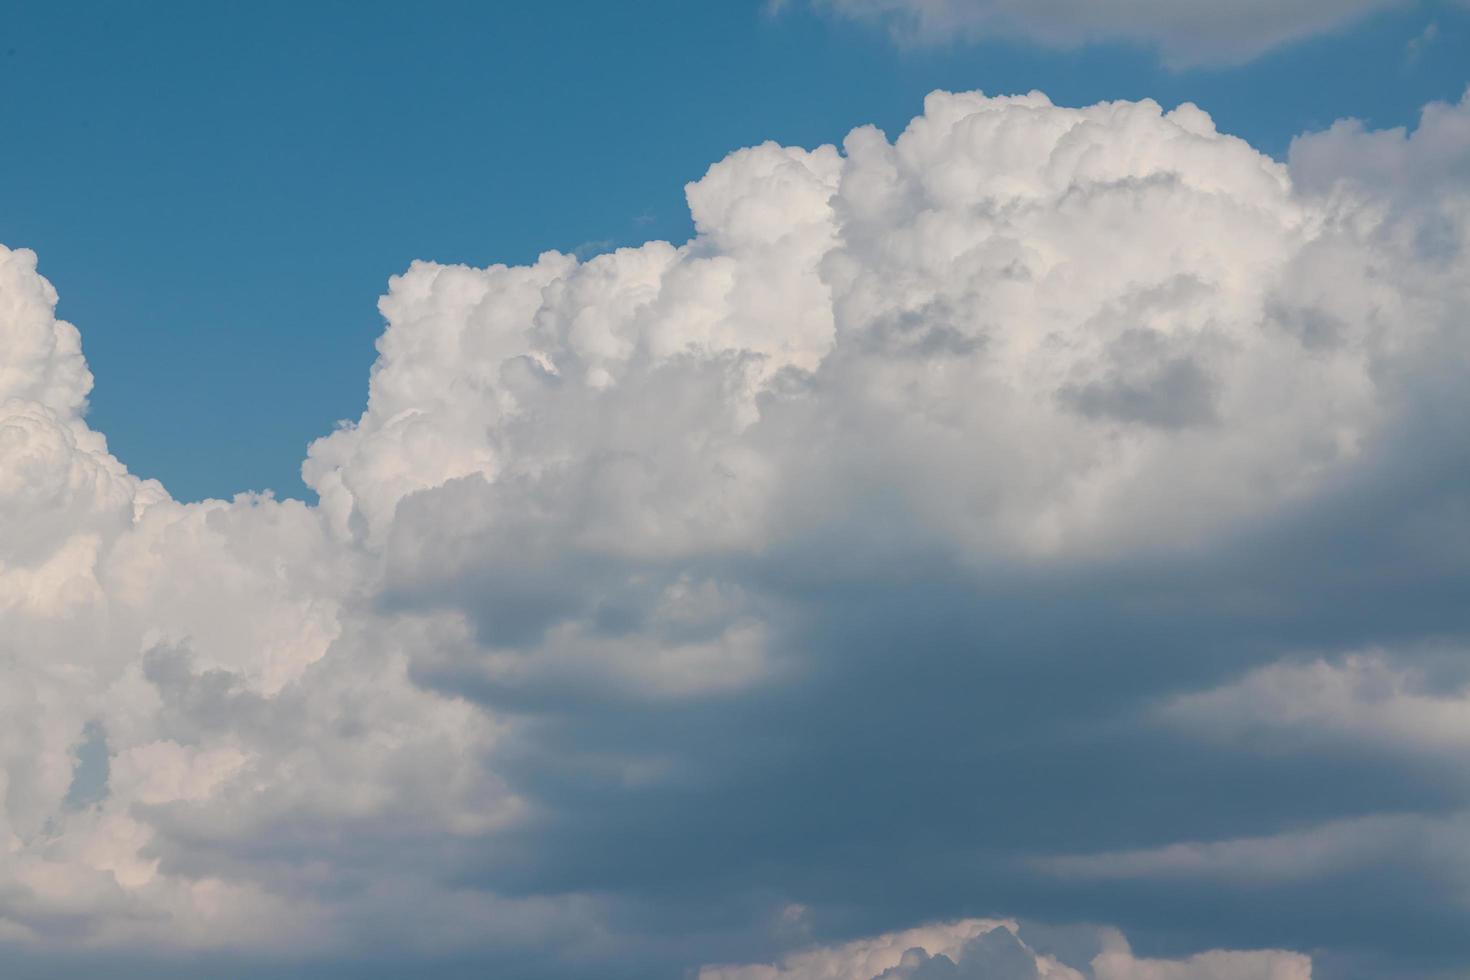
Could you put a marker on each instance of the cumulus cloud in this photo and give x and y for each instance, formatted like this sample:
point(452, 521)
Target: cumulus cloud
point(1187, 33)
point(43, 355)
point(974, 260)
point(903, 954)
point(981, 949)
point(853, 554)
point(1393, 161)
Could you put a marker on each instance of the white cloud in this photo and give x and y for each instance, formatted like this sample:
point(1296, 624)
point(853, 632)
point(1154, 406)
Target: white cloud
point(1186, 32)
point(1393, 160)
point(43, 355)
point(864, 959)
point(1020, 381)
point(986, 949)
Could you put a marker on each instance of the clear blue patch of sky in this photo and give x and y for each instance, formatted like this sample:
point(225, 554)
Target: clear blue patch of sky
point(220, 191)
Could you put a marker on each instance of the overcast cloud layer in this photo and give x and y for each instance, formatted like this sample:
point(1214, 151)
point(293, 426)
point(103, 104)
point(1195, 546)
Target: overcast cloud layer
point(1051, 513)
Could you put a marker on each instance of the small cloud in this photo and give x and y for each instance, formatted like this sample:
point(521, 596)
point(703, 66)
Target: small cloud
point(1417, 44)
point(587, 250)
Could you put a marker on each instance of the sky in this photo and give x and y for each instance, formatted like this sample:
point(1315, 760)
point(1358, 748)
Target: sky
point(822, 490)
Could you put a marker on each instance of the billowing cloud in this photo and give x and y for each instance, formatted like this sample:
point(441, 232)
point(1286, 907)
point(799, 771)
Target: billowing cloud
point(981, 949)
point(921, 952)
point(1042, 513)
point(43, 355)
point(1388, 161)
point(1187, 33)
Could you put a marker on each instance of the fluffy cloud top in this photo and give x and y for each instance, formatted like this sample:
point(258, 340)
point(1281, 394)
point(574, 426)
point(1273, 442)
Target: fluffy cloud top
point(981, 949)
point(896, 514)
point(43, 355)
point(1074, 391)
point(1436, 153)
point(1186, 32)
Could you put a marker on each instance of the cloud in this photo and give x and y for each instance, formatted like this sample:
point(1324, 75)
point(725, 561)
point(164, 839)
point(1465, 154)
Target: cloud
point(1293, 855)
point(1005, 296)
point(43, 355)
point(933, 534)
point(1117, 962)
point(900, 954)
point(1416, 45)
point(980, 949)
point(1362, 698)
point(1187, 34)
point(1394, 161)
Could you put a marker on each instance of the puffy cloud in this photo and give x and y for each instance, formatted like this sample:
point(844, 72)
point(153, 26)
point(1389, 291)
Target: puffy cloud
point(1392, 161)
point(853, 554)
point(1186, 32)
point(43, 355)
point(893, 955)
point(57, 481)
point(982, 949)
point(1071, 390)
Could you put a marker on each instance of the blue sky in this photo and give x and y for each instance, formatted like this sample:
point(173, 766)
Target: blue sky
point(220, 192)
